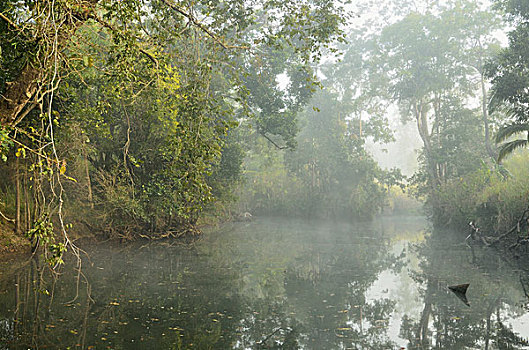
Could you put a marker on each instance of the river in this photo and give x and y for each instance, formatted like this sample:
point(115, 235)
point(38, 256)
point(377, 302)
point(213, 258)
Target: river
point(273, 284)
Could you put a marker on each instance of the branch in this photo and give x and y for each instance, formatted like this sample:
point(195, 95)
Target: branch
point(202, 27)
point(151, 57)
point(272, 142)
point(107, 25)
point(476, 234)
point(6, 218)
point(33, 151)
point(195, 22)
point(5, 18)
point(491, 241)
point(269, 336)
point(515, 228)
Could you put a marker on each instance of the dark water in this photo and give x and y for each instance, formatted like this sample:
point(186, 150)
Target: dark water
point(273, 284)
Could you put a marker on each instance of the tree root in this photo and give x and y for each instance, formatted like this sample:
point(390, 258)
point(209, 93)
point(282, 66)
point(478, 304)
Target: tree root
point(6, 218)
point(189, 231)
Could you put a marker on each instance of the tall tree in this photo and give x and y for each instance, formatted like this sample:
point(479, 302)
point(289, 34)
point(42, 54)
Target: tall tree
point(426, 62)
point(510, 78)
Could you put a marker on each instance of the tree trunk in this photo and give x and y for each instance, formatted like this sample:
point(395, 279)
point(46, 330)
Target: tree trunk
point(17, 195)
point(27, 207)
point(87, 173)
point(487, 335)
point(17, 100)
point(485, 113)
point(18, 302)
point(424, 133)
point(422, 331)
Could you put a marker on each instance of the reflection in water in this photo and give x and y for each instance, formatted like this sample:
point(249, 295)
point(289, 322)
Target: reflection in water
point(494, 296)
point(274, 284)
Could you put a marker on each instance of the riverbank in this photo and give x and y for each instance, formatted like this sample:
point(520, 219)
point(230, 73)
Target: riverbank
point(11, 243)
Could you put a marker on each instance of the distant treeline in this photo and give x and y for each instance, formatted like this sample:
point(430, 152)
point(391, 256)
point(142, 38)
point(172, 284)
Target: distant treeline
point(443, 69)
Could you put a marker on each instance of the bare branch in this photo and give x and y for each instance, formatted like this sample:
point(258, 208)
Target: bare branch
point(6, 218)
point(272, 141)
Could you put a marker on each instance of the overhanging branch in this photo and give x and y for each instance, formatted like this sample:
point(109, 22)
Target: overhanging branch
point(272, 141)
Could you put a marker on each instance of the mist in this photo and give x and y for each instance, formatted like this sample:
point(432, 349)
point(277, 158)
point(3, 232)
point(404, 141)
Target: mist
point(234, 174)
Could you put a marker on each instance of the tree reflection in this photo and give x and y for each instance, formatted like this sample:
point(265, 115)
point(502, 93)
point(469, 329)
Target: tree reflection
point(447, 323)
point(279, 285)
point(307, 291)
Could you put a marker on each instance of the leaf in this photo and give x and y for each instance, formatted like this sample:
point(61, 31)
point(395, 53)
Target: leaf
point(509, 130)
point(509, 147)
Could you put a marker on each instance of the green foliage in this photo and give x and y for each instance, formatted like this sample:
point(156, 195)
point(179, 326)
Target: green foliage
point(426, 63)
point(149, 96)
point(42, 235)
point(5, 143)
point(508, 73)
point(157, 144)
point(487, 197)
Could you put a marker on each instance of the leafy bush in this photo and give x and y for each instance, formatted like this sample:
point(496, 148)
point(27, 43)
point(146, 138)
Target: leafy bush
point(493, 199)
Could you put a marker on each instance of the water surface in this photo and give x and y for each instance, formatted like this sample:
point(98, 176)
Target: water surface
point(273, 284)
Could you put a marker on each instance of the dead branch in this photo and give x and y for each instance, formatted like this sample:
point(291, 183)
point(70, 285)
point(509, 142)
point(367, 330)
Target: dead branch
point(261, 342)
point(523, 221)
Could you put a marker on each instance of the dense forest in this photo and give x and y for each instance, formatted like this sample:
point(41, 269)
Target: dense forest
point(123, 116)
point(240, 174)
point(147, 119)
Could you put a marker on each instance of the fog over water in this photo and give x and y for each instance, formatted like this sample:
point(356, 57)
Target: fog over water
point(303, 284)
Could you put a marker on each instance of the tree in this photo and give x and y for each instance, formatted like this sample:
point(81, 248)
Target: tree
point(426, 62)
point(139, 98)
point(510, 78)
point(505, 133)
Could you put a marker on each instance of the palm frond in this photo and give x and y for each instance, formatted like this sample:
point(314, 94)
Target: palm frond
point(509, 147)
point(509, 130)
